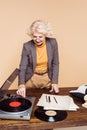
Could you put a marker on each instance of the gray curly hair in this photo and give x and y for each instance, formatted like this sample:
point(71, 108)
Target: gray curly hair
point(40, 27)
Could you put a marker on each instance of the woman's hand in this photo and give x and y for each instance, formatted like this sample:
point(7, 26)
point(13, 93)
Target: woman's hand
point(21, 90)
point(55, 89)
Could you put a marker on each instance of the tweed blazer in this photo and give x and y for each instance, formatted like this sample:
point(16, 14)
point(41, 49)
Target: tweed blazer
point(28, 61)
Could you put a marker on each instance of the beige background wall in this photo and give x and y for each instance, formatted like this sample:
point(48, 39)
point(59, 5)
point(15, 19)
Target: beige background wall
point(69, 21)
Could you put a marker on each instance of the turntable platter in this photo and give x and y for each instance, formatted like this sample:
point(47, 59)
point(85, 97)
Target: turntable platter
point(15, 104)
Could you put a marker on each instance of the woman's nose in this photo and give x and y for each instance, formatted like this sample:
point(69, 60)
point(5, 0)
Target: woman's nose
point(37, 39)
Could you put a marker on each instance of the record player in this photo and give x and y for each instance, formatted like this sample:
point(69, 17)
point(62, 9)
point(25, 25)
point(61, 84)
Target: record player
point(16, 107)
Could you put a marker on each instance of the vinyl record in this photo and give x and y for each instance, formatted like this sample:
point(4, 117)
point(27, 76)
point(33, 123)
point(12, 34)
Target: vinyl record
point(15, 104)
point(50, 115)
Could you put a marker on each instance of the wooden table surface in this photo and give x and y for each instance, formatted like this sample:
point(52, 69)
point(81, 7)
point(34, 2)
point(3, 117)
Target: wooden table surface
point(74, 118)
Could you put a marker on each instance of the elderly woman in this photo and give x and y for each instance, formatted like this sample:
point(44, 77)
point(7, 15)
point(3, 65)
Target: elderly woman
point(39, 65)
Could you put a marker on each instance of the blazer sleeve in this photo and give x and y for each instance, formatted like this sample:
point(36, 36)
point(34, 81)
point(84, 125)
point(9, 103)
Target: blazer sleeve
point(23, 65)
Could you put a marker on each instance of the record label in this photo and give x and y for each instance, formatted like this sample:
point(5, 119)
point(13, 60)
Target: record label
point(15, 104)
point(50, 115)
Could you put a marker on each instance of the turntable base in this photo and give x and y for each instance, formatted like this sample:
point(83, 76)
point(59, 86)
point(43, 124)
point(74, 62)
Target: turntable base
point(21, 115)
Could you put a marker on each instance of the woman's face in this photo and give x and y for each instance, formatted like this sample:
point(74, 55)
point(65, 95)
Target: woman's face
point(38, 38)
